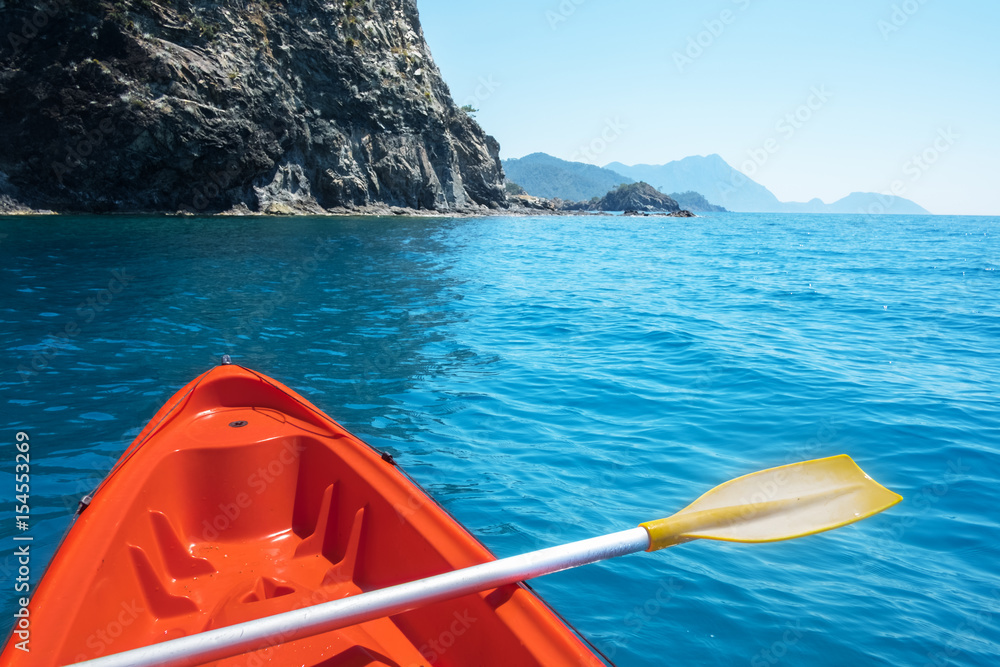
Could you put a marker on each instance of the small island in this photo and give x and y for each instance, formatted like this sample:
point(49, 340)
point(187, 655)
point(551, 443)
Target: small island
point(634, 199)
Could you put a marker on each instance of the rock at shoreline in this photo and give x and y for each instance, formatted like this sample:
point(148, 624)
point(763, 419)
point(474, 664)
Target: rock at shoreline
point(533, 203)
point(637, 197)
point(233, 105)
point(674, 214)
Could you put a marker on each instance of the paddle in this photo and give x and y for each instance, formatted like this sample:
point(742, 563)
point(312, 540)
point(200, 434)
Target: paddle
point(767, 506)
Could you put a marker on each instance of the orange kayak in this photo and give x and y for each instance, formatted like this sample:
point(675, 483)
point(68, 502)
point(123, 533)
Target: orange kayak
point(241, 500)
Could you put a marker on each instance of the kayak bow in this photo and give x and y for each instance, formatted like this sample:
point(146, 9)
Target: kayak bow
point(240, 500)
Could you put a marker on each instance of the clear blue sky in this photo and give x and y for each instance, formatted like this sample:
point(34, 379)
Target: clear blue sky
point(623, 80)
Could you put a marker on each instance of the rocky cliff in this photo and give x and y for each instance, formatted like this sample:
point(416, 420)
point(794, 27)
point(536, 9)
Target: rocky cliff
point(208, 106)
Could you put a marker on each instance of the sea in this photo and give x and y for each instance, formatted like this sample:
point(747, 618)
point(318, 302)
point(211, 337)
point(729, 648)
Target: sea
point(549, 379)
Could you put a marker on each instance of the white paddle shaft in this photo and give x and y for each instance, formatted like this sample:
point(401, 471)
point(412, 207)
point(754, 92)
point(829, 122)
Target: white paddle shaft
point(288, 626)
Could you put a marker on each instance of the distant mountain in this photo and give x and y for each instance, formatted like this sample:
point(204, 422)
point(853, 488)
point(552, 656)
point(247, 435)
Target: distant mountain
point(711, 176)
point(869, 202)
point(721, 184)
point(698, 183)
point(693, 201)
point(542, 175)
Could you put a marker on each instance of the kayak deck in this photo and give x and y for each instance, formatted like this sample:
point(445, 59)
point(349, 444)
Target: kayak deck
point(240, 500)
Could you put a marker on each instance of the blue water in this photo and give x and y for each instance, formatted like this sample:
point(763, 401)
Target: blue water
point(548, 379)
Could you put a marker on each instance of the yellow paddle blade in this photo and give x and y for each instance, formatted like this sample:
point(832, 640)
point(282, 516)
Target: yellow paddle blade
point(777, 504)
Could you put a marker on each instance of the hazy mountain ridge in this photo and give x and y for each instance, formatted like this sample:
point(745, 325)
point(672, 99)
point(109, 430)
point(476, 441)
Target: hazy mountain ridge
point(694, 201)
point(542, 175)
point(721, 184)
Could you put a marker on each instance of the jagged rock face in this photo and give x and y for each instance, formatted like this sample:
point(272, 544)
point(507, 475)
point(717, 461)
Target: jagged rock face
point(165, 105)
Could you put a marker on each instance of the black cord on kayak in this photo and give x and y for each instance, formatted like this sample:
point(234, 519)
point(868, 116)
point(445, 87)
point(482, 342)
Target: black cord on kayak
point(136, 445)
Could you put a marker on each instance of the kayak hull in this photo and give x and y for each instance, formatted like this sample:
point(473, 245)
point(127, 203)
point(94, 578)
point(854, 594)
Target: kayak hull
point(241, 500)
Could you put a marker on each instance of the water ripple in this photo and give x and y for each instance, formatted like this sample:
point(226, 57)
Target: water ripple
point(548, 379)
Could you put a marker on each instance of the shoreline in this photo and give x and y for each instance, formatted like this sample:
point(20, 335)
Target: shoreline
point(360, 212)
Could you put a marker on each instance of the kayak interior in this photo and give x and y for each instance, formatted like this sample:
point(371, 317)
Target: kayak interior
point(241, 500)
